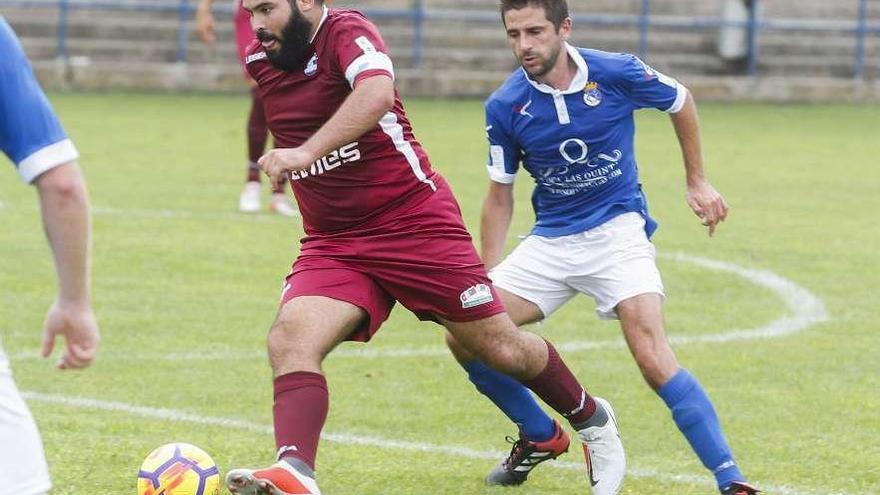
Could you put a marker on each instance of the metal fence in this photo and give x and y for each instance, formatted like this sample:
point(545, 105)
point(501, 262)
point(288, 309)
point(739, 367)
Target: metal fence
point(419, 14)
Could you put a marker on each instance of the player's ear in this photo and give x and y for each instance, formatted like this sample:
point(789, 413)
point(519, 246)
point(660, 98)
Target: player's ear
point(565, 28)
point(306, 6)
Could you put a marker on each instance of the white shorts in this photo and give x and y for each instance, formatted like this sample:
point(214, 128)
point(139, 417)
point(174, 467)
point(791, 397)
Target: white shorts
point(610, 263)
point(23, 469)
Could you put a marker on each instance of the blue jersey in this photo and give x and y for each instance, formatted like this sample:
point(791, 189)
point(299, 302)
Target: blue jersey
point(30, 134)
point(577, 144)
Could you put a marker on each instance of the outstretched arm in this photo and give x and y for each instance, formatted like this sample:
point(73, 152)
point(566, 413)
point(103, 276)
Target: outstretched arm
point(495, 222)
point(370, 100)
point(65, 210)
point(205, 22)
point(704, 200)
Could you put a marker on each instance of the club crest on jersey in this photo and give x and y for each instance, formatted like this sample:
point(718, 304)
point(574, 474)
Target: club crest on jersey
point(476, 295)
point(592, 94)
point(312, 66)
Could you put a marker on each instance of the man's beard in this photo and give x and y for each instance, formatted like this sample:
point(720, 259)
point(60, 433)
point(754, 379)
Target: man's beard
point(546, 67)
point(293, 45)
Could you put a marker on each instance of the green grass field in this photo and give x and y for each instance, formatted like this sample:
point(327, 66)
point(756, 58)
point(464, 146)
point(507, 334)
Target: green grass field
point(185, 288)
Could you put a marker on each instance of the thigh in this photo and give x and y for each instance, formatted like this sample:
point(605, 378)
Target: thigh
point(534, 274)
point(616, 262)
point(496, 341)
point(641, 318)
point(434, 276)
point(317, 277)
point(307, 328)
point(23, 467)
point(521, 310)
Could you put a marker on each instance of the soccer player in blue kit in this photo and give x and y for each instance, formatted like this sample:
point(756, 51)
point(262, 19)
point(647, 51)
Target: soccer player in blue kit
point(32, 137)
point(567, 116)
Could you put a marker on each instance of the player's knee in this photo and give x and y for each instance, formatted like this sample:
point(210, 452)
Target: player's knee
point(505, 358)
point(656, 368)
point(288, 351)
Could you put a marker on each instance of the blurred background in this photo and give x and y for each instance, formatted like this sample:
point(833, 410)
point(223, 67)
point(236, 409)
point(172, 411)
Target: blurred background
point(764, 50)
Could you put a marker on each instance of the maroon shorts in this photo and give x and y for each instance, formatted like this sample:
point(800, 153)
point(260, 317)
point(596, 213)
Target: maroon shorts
point(421, 255)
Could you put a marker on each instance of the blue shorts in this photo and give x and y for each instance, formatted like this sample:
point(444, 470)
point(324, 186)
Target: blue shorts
point(30, 133)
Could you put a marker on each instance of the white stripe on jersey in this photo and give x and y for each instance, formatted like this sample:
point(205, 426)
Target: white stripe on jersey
point(496, 166)
point(47, 158)
point(368, 61)
point(394, 130)
point(680, 98)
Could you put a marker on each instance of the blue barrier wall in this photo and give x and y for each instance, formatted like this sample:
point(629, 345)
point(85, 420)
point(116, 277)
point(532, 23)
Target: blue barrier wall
point(419, 14)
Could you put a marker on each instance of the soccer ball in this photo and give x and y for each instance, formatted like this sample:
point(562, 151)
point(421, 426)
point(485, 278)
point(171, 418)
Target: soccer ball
point(178, 469)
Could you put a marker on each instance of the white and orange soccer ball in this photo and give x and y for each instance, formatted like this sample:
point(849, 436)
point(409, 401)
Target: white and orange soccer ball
point(178, 469)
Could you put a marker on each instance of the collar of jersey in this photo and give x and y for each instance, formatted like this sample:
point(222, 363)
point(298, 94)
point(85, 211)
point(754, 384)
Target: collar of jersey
point(577, 84)
point(324, 13)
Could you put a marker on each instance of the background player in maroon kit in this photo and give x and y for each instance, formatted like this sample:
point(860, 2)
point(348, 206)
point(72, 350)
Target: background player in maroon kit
point(381, 226)
point(257, 130)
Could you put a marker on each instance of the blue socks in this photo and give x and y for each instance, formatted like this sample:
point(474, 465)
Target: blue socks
point(691, 409)
point(696, 418)
point(514, 400)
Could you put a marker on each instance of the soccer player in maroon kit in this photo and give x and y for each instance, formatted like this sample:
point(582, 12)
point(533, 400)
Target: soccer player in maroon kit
point(257, 129)
point(380, 226)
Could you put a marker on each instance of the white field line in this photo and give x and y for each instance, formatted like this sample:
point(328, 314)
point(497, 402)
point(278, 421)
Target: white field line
point(803, 309)
point(378, 442)
point(265, 217)
point(151, 213)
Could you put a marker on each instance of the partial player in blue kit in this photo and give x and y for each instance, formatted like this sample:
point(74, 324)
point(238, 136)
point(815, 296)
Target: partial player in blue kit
point(32, 137)
point(566, 117)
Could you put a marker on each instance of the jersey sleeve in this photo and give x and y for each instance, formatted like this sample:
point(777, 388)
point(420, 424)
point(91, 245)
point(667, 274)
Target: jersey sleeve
point(649, 88)
point(504, 154)
point(30, 133)
point(360, 50)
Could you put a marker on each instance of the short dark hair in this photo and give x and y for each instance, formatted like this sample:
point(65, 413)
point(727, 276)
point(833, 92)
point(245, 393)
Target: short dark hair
point(556, 10)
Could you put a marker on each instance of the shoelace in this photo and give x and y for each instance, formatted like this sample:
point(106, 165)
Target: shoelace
point(516, 452)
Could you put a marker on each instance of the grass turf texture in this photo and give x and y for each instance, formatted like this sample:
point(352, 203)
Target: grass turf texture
point(181, 278)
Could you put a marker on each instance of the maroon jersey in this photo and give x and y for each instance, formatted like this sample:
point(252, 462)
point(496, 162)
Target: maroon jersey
point(384, 170)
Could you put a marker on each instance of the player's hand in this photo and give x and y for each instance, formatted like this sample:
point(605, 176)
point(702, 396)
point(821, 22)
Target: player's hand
point(205, 23)
point(79, 327)
point(278, 162)
point(707, 203)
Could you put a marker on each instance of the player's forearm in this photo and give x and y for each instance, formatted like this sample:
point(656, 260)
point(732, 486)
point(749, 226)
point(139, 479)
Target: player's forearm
point(371, 99)
point(494, 224)
point(65, 210)
point(204, 6)
point(205, 21)
point(687, 129)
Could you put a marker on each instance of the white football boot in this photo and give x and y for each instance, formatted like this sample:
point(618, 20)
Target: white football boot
point(603, 451)
point(281, 205)
point(249, 201)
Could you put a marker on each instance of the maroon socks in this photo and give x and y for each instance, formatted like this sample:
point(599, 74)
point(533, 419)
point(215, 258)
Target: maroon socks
point(301, 404)
point(559, 389)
